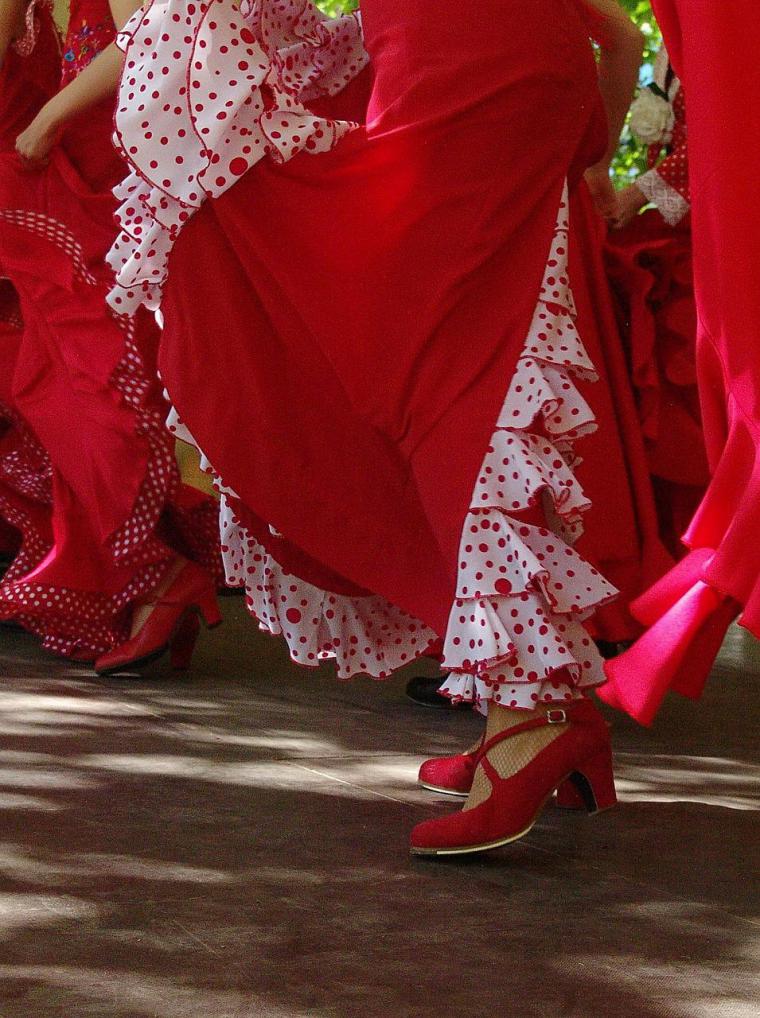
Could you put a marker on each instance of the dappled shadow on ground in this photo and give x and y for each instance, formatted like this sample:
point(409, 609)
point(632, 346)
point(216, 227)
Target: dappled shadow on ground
point(235, 846)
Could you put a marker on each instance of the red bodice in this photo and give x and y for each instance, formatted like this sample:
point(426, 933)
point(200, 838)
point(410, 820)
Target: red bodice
point(91, 29)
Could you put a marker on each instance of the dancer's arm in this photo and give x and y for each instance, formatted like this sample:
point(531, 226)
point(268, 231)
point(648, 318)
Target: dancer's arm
point(97, 82)
point(12, 13)
point(621, 45)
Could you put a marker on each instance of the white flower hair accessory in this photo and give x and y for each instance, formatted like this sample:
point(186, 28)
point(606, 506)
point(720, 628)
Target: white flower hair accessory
point(652, 116)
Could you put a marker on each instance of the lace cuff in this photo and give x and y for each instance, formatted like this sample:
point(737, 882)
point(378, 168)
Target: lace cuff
point(671, 205)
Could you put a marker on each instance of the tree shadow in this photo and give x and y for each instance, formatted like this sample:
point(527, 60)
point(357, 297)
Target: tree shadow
point(236, 846)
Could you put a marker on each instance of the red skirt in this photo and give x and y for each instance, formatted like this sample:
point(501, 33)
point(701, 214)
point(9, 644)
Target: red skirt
point(29, 77)
point(621, 529)
point(713, 48)
point(84, 381)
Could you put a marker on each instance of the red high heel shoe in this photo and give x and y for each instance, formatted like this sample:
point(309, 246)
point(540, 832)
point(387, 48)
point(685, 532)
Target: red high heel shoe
point(581, 754)
point(182, 646)
point(172, 624)
point(450, 775)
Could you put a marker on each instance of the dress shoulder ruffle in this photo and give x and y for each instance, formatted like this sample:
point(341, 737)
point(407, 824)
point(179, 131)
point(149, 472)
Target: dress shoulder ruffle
point(235, 80)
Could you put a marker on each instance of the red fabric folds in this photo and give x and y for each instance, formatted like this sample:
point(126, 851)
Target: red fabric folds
point(620, 529)
point(85, 382)
point(650, 265)
point(714, 49)
point(354, 418)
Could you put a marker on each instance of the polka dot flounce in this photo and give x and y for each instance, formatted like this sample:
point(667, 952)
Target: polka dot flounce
point(25, 493)
point(515, 632)
point(260, 63)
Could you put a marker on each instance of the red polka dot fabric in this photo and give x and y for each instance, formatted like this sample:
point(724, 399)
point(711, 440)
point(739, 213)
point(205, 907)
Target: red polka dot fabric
point(76, 623)
point(25, 44)
point(666, 185)
point(515, 632)
point(231, 80)
point(25, 491)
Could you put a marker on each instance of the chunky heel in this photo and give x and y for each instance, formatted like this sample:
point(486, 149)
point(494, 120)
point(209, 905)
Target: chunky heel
point(593, 783)
point(183, 643)
point(172, 625)
point(568, 797)
point(209, 609)
point(577, 763)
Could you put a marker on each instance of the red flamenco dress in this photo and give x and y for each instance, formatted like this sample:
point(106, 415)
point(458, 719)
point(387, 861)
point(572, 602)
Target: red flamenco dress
point(650, 263)
point(370, 332)
point(29, 77)
point(85, 382)
point(714, 50)
point(622, 533)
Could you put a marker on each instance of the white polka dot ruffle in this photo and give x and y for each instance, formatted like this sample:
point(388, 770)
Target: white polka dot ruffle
point(515, 632)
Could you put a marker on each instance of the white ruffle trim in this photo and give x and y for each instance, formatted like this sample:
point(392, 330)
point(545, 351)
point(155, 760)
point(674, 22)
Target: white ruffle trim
point(187, 136)
point(365, 635)
point(515, 633)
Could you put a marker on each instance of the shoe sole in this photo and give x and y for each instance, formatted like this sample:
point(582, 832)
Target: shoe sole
point(472, 849)
point(488, 846)
point(443, 791)
point(143, 662)
point(133, 666)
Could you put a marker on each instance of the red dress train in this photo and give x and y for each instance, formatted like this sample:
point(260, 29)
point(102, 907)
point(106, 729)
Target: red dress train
point(714, 50)
point(85, 382)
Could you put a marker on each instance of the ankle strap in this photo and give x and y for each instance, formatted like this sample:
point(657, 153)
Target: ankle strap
point(557, 716)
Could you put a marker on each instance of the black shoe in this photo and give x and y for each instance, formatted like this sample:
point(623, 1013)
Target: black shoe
point(424, 691)
point(610, 650)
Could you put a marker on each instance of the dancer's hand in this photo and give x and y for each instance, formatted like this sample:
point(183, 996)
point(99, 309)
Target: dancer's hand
point(630, 201)
point(602, 191)
point(36, 143)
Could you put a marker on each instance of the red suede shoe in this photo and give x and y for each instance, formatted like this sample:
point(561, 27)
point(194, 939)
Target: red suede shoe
point(451, 775)
point(581, 754)
point(170, 625)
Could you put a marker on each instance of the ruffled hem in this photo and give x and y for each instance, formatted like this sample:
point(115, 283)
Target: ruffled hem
point(192, 149)
point(515, 634)
point(690, 609)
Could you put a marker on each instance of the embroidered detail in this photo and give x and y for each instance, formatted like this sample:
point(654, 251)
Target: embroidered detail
point(82, 45)
point(670, 204)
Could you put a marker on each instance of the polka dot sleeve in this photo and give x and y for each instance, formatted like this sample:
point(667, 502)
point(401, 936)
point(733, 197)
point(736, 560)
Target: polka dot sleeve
point(232, 79)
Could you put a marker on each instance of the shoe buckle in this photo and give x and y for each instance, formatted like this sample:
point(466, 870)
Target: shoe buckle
point(556, 717)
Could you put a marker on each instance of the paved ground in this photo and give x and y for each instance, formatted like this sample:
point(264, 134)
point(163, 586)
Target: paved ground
point(234, 845)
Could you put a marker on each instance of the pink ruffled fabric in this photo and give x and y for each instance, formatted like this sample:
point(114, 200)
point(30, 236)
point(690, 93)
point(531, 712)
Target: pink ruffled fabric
point(214, 127)
point(515, 633)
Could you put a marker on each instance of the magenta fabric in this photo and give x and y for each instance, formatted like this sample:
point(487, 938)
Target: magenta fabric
point(714, 49)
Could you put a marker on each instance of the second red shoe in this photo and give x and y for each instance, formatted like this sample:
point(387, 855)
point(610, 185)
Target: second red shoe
point(172, 623)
